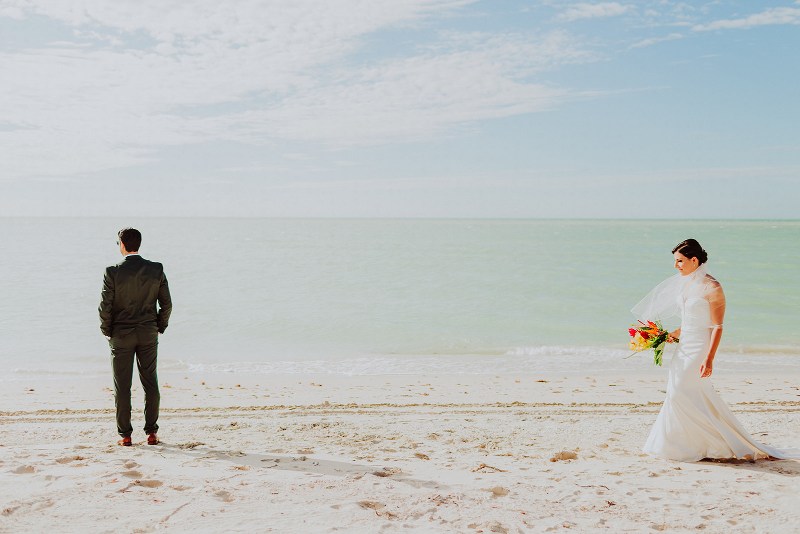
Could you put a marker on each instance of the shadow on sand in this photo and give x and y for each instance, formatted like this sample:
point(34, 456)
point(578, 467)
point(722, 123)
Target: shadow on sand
point(789, 468)
point(301, 463)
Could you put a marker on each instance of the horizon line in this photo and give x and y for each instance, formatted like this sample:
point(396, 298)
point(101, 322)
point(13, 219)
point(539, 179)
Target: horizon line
point(398, 218)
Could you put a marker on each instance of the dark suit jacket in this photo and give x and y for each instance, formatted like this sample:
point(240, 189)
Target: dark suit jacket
point(130, 292)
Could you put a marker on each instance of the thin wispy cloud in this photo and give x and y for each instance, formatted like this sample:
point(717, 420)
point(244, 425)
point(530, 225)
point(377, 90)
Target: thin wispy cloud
point(416, 98)
point(656, 40)
point(592, 11)
point(769, 17)
point(136, 79)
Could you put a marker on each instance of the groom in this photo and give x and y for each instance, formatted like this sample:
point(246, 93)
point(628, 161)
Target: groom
point(131, 323)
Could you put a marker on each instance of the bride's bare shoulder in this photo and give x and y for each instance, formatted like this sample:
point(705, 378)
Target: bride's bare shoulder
point(712, 284)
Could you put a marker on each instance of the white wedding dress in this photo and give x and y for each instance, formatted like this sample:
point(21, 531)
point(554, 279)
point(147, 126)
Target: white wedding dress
point(694, 422)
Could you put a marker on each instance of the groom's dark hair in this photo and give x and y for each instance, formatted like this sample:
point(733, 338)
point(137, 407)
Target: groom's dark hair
point(131, 238)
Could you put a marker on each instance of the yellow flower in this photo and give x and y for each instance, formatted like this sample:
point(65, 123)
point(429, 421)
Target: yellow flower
point(638, 343)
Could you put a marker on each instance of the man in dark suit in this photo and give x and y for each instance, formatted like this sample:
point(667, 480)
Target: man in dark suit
point(131, 322)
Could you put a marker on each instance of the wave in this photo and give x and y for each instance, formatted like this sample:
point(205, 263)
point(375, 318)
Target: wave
point(785, 350)
point(516, 360)
point(580, 350)
point(529, 360)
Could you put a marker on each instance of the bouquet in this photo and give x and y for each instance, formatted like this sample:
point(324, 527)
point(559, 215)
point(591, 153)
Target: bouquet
point(649, 335)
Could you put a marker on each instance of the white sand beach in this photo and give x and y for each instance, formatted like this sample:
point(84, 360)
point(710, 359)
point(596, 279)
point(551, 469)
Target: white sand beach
point(471, 453)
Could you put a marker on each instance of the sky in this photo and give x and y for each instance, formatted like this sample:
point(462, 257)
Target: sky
point(402, 108)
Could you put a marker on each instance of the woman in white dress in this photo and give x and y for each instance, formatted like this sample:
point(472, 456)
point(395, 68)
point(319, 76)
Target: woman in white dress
point(694, 422)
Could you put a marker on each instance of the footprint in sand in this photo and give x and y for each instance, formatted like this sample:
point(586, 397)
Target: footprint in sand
point(41, 505)
point(378, 507)
point(130, 464)
point(132, 474)
point(148, 483)
point(498, 491)
point(190, 445)
point(564, 456)
point(387, 472)
point(68, 459)
point(498, 527)
point(24, 470)
point(224, 496)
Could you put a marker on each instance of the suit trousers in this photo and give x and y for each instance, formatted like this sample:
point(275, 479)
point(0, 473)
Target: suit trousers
point(139, 343)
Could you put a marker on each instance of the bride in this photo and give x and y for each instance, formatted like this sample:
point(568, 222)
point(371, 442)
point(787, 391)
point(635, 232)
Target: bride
point(694, 422)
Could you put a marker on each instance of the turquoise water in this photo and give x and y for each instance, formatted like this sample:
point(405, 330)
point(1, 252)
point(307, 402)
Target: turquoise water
point(267, 290)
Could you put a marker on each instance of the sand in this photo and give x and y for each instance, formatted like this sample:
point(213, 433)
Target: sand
point(402, 453)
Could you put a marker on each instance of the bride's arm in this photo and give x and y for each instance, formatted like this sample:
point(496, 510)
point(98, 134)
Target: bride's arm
point(716, 301)
point(675, 335)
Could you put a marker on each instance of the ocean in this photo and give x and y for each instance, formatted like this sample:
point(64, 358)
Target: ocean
point(362, 296)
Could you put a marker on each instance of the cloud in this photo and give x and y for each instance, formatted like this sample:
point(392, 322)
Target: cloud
point(592, 11)
point(12, 12)
point(769, 17)
point(135, 79)
point(420, 97)
point(655, 40)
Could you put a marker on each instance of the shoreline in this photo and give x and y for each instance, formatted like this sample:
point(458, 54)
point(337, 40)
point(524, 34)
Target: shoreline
point(182, 388)
point(547, 360)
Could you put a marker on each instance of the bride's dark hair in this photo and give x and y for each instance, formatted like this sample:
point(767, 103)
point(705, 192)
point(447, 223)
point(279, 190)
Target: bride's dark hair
point(691, 249)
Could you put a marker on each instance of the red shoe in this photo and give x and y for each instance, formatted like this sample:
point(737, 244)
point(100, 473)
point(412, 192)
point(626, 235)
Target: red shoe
point(152, 439)
point(125, 442)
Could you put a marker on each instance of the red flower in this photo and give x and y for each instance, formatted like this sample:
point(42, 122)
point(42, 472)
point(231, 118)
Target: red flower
point(632, 331)
point(644, 334)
